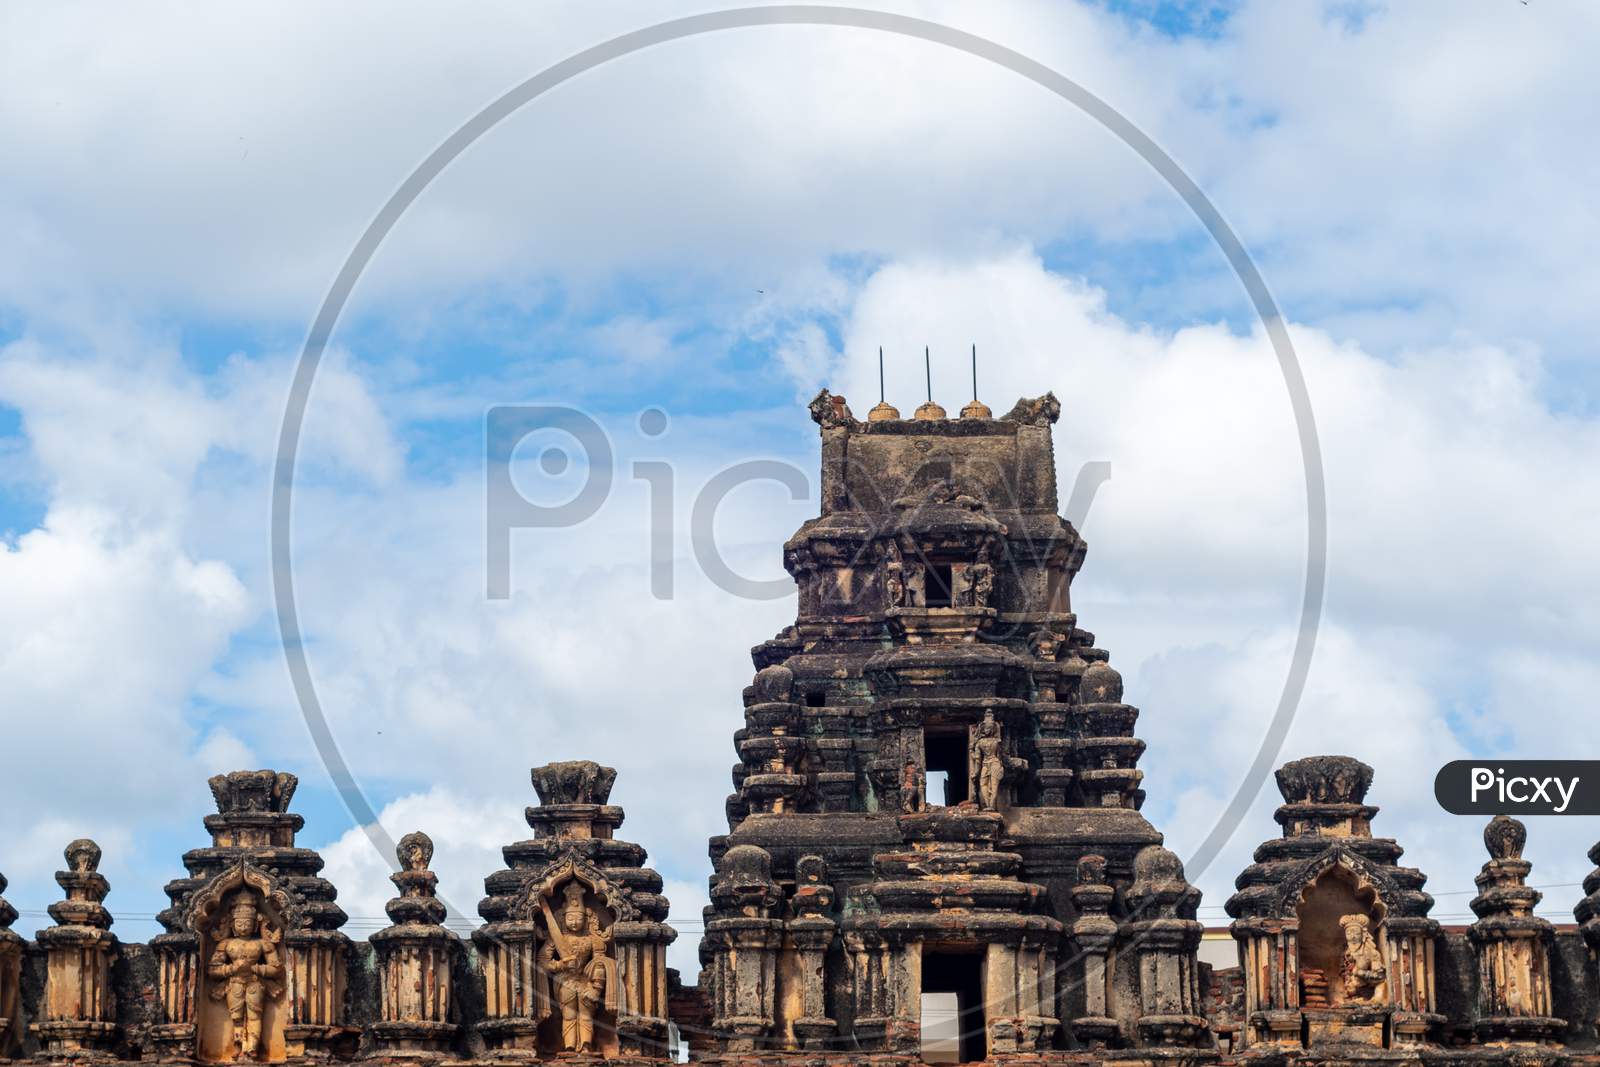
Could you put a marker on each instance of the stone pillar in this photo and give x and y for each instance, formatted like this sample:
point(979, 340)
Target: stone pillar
point(415, 958)
point(871, 994)
point(77, 1015)
point(1165, 937)
point(811, 931)
point(642, 971)
point(11, 947)
point(1269, 960)
point(1512, 944)
point(1095, 932)
point(745, 938)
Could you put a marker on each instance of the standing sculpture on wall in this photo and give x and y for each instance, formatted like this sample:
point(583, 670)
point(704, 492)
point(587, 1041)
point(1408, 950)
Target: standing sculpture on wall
point(247, 969)
point(988, 764)
point(1363, 963)
point(583, 976)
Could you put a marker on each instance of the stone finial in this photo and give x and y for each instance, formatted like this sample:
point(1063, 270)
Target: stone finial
point(417, 903)
point(775, 684)
point(744, 882)
point(85, 888)
point(82, 856)
point(1101, 684)
point(1324, 780)
point(883, 411)
point(928, 412)
point(573, 782)
point(253, 791)
point(1504, 838)
point(415, 851)
point(976, 409)
point(1159, 883)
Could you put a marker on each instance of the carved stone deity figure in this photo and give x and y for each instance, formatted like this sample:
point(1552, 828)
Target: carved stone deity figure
point(911, 798)
point(980, 583)
point(582, 974)
point(1363, 964)
point(247, 969)
point(988, 763)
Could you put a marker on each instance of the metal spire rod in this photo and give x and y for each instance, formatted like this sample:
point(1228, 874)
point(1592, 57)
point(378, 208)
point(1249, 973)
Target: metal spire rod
point(927, 368)
point(974, 372)
point(880, 374)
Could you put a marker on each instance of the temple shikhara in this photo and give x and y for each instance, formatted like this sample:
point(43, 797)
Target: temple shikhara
point(936, 802)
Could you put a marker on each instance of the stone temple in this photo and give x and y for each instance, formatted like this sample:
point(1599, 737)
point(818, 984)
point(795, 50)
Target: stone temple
point(936, 797)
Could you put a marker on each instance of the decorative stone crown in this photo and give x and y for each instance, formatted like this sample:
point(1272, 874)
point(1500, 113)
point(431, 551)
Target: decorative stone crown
point(1324, 780)
point(253, 791)
point(573, 782)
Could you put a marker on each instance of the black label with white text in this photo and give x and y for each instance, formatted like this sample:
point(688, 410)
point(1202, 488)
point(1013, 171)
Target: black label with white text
point(1519, 787)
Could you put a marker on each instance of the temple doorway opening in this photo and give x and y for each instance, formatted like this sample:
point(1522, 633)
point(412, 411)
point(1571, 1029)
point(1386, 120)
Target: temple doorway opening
point(953, 978)
point(945, 758)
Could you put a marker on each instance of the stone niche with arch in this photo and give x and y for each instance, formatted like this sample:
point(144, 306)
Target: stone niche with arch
point(240, 917)
point(573, 947)
point(1335, 943)
point(252, 965)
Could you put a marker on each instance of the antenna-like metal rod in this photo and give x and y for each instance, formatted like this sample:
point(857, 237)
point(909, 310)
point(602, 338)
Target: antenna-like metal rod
point(927, 368)
point(880, 374)
point(974, 372)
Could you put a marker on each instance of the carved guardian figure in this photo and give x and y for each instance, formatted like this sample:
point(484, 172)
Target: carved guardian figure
point(247, 968)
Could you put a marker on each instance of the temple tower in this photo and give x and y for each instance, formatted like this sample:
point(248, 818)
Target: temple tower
point(937, 750)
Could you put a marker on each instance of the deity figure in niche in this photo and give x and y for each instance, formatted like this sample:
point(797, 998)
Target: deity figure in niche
point(911, 798)
point(246, 969)
point(583, 976)
point(988, 763)
point(980, 583)
point(1363, 964)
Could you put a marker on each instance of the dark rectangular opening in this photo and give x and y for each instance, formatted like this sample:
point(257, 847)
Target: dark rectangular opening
point(953, 981)
point(939, 590)
point(816, 698)
point(945, 760)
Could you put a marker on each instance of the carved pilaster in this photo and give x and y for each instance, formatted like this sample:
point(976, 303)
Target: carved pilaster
point(1165, 937)
point(811, 932)
point(1512, 944)
point(77, 1016)
point(745, 938)
point(416, 957)
point(11, 946)
point(1095, 932)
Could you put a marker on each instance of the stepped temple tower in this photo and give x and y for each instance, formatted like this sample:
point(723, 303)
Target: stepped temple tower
point(939, 751)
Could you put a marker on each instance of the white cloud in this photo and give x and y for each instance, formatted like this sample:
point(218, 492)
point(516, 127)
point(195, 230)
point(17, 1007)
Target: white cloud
point(1355, 156)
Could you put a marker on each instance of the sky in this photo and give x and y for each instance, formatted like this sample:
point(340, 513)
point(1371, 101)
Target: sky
point(714, 229)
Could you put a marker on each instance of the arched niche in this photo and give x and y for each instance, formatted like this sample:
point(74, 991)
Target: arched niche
point(549, 904)
point(211, 916)
point(1323, 904)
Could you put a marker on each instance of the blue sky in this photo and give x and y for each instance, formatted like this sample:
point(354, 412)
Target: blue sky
point(716, 228)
